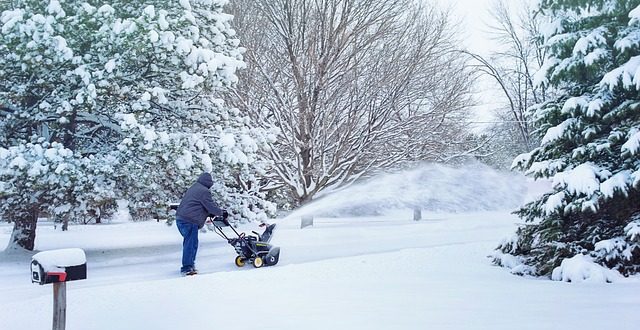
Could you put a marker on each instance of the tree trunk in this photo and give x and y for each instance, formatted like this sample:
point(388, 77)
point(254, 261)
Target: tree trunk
point(302, 200)
point(24, 232)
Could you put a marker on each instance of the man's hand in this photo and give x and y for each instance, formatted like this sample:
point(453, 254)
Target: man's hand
point(225, 214)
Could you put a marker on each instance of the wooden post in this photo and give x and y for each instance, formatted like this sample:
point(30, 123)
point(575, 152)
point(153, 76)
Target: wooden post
point(306, 221)
point(59, 305)
point(417, 214)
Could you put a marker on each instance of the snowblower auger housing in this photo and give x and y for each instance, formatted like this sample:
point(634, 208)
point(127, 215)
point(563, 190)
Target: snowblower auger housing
point(249, 248)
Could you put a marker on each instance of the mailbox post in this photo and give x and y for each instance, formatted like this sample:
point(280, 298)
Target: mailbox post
point(59, 305)
point(58, 267)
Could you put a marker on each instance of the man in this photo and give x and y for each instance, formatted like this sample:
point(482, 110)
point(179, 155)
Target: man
point(195, 207)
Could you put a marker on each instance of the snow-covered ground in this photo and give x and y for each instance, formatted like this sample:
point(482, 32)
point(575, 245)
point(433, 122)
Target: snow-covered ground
point(382, 272)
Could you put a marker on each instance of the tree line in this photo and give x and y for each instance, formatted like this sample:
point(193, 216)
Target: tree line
point(130, 100)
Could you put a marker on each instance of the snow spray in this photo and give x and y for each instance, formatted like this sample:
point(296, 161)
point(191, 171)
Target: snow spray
point(430, 187)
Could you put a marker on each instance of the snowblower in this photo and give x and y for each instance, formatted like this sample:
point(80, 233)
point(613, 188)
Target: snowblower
point(255, 250)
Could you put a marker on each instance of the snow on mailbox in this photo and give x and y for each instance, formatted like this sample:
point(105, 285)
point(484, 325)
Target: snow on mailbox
point(58, 266)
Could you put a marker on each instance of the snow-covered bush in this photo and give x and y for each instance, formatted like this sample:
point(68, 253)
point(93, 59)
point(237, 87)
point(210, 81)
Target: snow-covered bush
point(590, 139)
point(130, 90)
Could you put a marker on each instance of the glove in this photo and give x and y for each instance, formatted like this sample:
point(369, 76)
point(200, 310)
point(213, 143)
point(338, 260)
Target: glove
point(225, 214)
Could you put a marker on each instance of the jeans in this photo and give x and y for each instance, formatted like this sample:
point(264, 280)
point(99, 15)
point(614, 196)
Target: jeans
point(189, 232)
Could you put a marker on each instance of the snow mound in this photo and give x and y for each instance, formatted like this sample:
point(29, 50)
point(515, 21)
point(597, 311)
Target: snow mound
point(581, 268)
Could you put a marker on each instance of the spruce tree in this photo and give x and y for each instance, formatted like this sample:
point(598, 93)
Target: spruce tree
point(590, 142)
point(102, 101)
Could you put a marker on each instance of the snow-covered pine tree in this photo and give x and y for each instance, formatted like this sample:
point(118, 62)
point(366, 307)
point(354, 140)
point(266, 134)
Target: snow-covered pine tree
point(102, 101)
point(590, 142)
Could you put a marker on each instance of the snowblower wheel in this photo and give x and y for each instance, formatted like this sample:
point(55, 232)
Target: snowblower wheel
point(240, 261)
point(257, 262)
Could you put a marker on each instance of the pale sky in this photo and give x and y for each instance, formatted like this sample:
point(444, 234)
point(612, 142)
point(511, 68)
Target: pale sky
point(474, 16)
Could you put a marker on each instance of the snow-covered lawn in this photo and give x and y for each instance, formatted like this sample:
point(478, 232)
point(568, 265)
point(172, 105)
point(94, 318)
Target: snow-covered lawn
point(386, 272)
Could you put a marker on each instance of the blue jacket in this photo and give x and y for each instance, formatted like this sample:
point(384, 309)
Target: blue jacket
point(197, 203)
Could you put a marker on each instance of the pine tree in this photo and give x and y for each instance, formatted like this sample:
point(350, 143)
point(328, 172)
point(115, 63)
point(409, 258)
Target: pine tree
point(590, 142)
point(119, 101)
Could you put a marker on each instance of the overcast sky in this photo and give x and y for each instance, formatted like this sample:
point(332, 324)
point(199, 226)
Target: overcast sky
point(474, 15)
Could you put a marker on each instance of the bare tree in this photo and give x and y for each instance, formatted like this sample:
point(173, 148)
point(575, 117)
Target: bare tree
point(348, 86)
point(514, 66)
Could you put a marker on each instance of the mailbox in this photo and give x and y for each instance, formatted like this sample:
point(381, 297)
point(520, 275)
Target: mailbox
point(58, 266)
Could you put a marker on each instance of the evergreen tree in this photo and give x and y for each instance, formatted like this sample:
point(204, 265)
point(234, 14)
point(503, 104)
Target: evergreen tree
point(101, 102)
point(590, 142)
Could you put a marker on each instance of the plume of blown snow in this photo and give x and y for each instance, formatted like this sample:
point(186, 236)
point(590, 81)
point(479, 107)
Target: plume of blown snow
point(430, 187)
